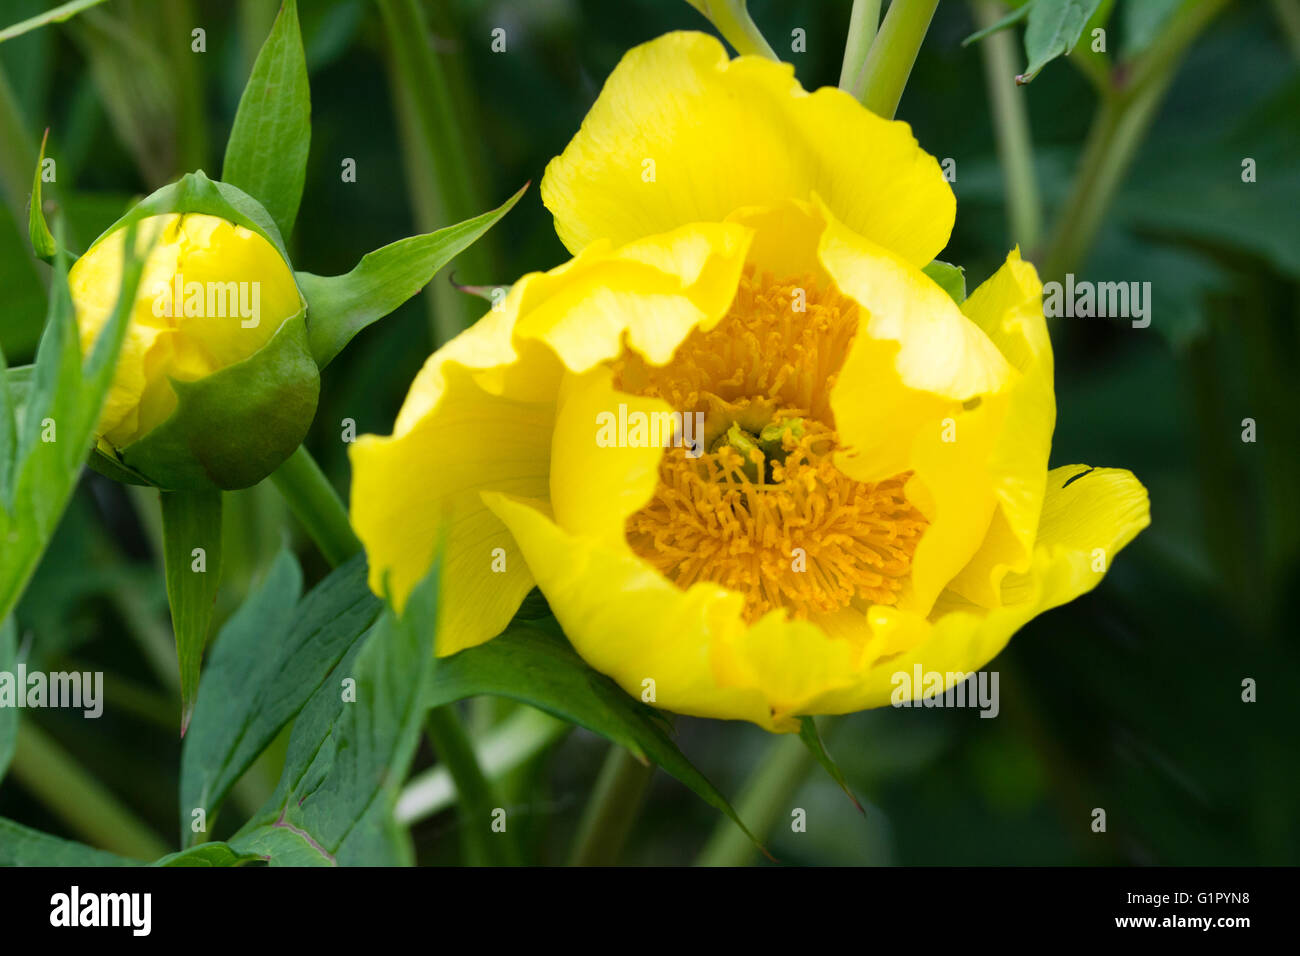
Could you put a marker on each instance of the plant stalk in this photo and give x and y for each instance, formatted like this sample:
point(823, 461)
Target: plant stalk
point(1011, 124)
point(889, 62)
point(81, 801)
point(316, 504)
point(477, 802)
point(864, 21)
point(619, 792)
point(764, 801)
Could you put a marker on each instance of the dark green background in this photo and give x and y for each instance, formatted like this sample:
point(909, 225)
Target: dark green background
point(1128, 699)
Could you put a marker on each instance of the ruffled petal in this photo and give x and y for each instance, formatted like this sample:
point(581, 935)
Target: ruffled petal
point(682, 134)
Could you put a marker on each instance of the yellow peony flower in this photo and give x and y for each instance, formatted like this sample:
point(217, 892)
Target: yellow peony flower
point(868, 489)
point(173, 333)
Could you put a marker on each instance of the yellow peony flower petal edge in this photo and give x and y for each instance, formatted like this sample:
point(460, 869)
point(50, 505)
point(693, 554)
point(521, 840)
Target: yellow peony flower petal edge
point(681, 133)
point(630, 623)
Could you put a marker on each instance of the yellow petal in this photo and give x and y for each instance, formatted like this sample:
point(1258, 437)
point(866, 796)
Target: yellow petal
point(923, 389)
point(481, 415)
point(1009, 308)
point(681, 134)
point(690, 647)
point(1085, 523)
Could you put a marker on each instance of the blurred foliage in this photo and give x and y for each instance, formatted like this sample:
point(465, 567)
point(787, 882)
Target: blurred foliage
point(1128, 699)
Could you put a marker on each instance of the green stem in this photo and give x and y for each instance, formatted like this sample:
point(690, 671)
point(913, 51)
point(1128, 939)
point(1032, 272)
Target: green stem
point(889, 62)
point(764, 801)
point(1011, 123)
point(615, 801)
point(82, 802)
point(315, 503)
point(1117, 131)
point(60, 13)
point(504, 748)
point(440, 152)
point(477, 800)
point(736, 26)
point(864, 21)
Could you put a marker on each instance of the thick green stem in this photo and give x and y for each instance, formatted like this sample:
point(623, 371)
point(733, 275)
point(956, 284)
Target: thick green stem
point(315, 503)
point(519, 738)
point(78, 799)
point(764, 802)
point(1011, 123)
point(440, 153)
point(477, 801)
point(889, 62)
point(615, 801)
point(1117, 131)
point(735, 24)
point(864, 21)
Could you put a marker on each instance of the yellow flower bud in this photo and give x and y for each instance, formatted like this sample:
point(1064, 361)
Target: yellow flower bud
point(211, 295)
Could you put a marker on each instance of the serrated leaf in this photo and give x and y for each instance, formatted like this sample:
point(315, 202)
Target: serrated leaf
point(208, 854)
point(42, 239)
point(1053, 29)
point(347, 758)
point(812, 739)
point(534, 663)
point(952, 279)
point(23, 846)
point(338, 307)
point(192, 559)
point(268, 660)
point(266, 156)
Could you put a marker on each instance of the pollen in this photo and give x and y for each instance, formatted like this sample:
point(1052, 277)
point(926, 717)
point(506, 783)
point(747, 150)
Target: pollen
point(762, 509)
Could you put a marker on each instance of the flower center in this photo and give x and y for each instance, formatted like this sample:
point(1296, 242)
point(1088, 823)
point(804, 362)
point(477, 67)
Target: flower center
point(763, 510)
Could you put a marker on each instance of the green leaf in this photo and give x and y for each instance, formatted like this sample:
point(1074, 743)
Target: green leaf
point(813, 741)
point(61, 402)
point(269, 659)
point(1054, 28)
point(338, 307)
point(42, 240)
point(8, 715)
point(21, 846)
point(1013, 17)
point(192, 557)
point(533, 663)
point(952, 279)
point(208, 854)
point(347, 757)
point(267, 152)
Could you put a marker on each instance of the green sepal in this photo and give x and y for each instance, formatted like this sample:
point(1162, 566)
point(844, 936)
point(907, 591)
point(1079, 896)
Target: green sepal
point(192, 558)
point(43, 243)
point(812, 739)
point(950, 278)
point(234, 427)
point(339, 307)
point(267, 151)
point(196, 193)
